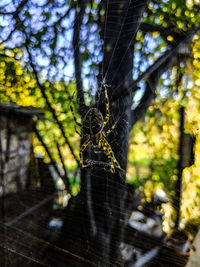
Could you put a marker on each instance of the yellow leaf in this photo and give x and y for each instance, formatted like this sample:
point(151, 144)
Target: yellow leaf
point(170, 38)
point(197, 82)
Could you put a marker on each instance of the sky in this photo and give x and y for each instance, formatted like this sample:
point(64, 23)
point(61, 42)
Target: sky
point(63, 48)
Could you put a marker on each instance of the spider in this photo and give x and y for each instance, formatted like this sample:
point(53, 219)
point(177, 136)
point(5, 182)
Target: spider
point(93, 125)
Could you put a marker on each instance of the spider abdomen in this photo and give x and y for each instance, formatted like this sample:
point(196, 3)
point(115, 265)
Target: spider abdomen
point(95, 139)
point(93, 122)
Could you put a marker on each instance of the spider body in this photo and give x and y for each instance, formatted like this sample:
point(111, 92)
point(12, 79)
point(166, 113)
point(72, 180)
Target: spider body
point(93, 132)
point(93, 122)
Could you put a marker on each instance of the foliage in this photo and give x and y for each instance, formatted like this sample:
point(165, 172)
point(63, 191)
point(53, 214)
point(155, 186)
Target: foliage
point(157, 139)
point(17, 85)
point(153, 153)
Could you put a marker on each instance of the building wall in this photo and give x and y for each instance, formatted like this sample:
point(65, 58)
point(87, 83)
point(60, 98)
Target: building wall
point(15, 149)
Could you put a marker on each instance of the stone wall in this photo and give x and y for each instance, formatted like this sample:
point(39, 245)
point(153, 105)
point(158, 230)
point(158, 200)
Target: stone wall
point(194, 260)
point(15, 148)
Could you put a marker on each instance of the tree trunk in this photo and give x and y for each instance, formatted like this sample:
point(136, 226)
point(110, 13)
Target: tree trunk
point(186, 159)
point(93, 228)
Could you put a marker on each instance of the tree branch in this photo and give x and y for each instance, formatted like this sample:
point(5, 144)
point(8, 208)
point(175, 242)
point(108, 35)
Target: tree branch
point(18, 9)
point(48, 152)
point(177, 34)
point(42, 89)
point(148, 96)
point(152, 76)
point(147, 27)
point(170, 53)
point(65, 178)
point(77, 57)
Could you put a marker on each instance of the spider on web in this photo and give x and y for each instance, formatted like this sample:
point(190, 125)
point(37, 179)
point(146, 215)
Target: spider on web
point(93, 129)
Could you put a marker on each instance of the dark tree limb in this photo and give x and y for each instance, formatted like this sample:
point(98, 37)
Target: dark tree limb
point(47, 151)
point(179, 49)
point(8, 37)
point(18, 9)
point(171, 53)
point(65, 178)
point(149, 93)
point(147, 27)
point(186, 159)
point(42, 89)
point(15, 15)
point(153, 73)
point(177, 34)
point(180, 167)
point(77, 56)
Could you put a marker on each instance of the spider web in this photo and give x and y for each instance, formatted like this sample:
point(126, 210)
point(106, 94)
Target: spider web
point(24, 220)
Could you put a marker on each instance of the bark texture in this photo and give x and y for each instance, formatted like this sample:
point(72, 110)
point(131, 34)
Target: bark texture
point(95, 220)
point(94, 224)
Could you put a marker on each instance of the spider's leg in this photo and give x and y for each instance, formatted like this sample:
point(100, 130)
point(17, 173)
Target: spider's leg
point(111, 129)
point(72, 110)
point(109, 153)
point(83, 147)
point(78, 132)
point(107, 106)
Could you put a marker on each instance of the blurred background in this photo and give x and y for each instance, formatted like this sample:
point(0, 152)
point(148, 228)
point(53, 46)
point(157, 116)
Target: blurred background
point(37, 133)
